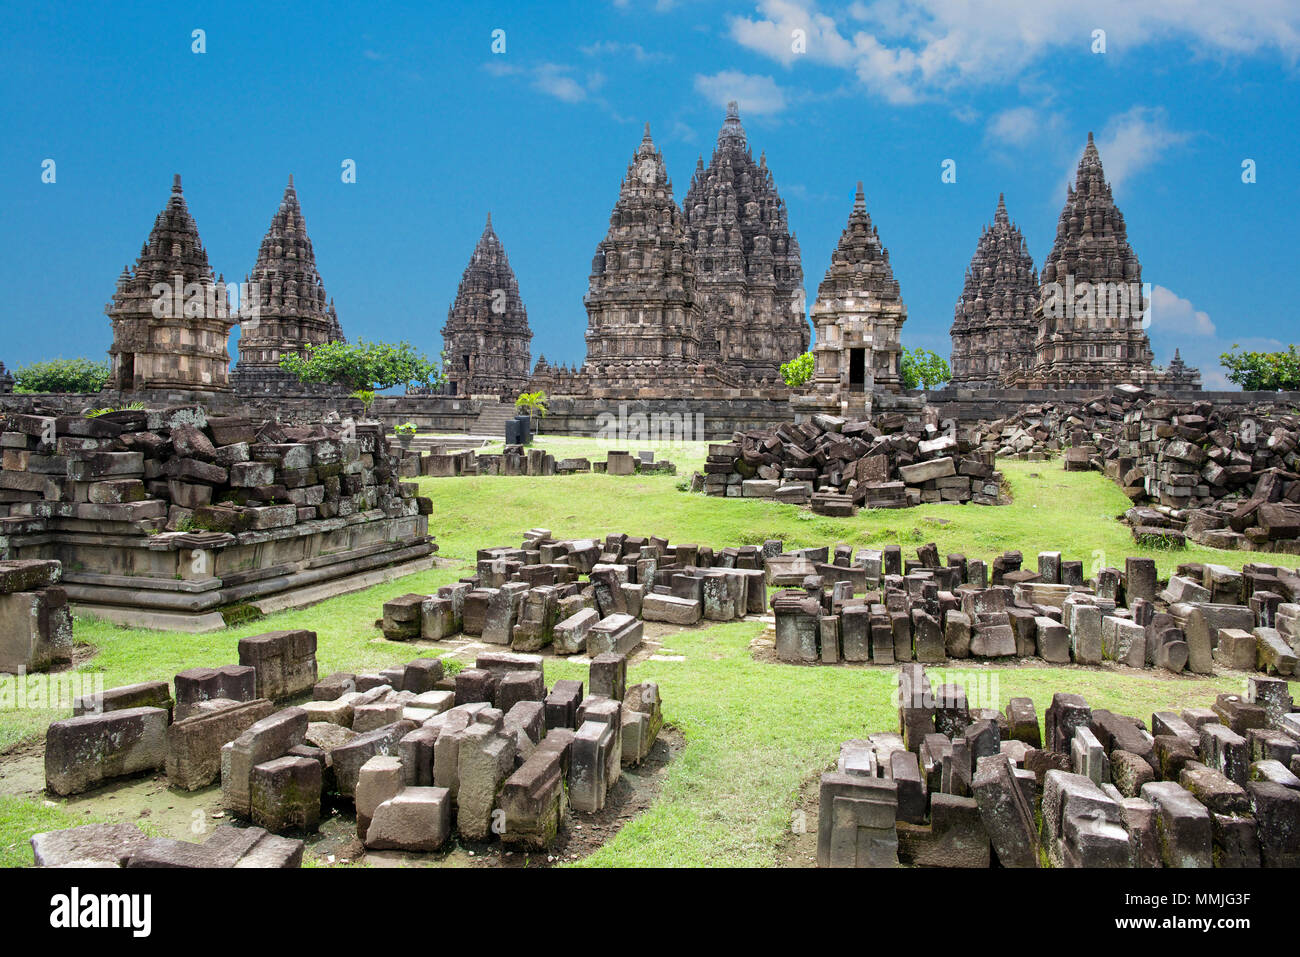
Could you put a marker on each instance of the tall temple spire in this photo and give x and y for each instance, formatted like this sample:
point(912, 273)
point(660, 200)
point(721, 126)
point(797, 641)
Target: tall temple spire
point(486, 338)
point(643, 268)
point(748, 272)
point(1091, 303)
point(993, 327)
point(290, 307)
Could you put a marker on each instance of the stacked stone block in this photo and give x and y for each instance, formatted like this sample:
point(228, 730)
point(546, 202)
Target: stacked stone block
point(867, 605)
point(958, 786)
point(583, 595)
point(35, 621)
point(838, 466)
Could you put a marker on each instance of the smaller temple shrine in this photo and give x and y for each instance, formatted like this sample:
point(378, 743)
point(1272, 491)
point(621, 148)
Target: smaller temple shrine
point(486, 338)
point(858, 315)
point(993, 326)
point(287, 309)
point(171, 318)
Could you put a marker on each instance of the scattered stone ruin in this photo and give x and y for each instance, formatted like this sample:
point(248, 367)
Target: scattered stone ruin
point(518, 460)
point(1225, 477)
point(35, 621)
point(962, 786)
point(837, 466)
point(535, 598)
point(419, 753)
point(166, 517)
point(868, 605)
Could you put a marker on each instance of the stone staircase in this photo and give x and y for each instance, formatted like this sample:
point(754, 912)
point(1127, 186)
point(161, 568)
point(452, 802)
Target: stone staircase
point(492, 419)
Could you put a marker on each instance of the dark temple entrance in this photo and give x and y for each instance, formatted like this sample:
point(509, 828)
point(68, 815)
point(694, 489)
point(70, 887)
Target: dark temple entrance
point(857, 370)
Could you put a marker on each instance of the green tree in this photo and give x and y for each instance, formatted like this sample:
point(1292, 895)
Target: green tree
point(363, 366)
point(532, 404)
point(797, 371)
point(62, 375)
point(1263, 371)
point(923, 369)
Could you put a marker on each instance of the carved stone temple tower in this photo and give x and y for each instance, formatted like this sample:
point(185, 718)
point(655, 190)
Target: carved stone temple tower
point(859, 314)
point(748, 275)
point(486, 337)
point(170, 317)
point(1091, 302)
point(993, 328)
point(643, 323)
point(288, 306)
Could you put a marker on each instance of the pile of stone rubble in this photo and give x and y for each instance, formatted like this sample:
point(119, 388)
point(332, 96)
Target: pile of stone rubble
point(487, 752)
point(587, 596)
point(172, 469)
point(867, 605)
point(837, 466)
point(958, 786)
point(166, 518)
point(1223, 477)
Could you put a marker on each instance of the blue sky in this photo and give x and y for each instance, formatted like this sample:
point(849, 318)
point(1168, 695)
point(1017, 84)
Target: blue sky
point(442, 130)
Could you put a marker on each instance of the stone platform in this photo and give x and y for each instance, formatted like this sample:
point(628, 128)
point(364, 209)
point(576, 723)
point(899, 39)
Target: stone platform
point(168, 519)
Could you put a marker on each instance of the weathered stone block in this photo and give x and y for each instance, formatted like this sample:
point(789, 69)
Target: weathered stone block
point(284, 794)
point(194, 743)
point(82, 753)
point(284, 662)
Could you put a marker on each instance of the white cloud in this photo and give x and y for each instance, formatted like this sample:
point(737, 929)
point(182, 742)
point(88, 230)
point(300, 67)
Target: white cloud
point(635, 51)
point(755, 94)
point(1134, 140)
point(553, 79)
point(1172, 314)
point(1019, 126)
point(906, 52)
point(681, 131)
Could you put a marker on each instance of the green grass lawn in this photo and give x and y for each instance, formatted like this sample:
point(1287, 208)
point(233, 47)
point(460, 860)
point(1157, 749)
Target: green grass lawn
point(755, 732)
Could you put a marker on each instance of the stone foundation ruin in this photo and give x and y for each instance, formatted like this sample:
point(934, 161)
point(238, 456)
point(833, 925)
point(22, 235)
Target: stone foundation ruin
point(1225, 477)
point(166, 517)
point(837, 466)
point(420, 754)
point(960, 786)
point(870, 605)
point(536, 598)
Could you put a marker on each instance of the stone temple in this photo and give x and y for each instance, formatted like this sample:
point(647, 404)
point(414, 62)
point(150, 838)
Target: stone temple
point(748, 276)
point(288, 305)
point(486, 338)
point(1091, 304)
point(859, 315)
point(170, 317)
point(643, 321)
point(993, 328)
